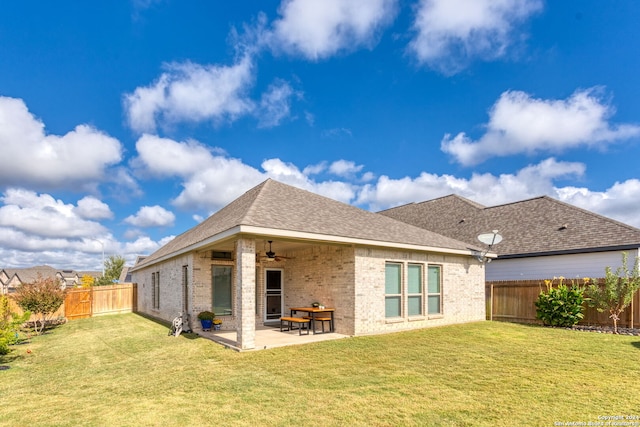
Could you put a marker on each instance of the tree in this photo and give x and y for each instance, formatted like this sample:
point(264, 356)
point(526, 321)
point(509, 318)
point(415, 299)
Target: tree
point(87, 281)
point(618, 290)
point(42, 297)
point(112, 268)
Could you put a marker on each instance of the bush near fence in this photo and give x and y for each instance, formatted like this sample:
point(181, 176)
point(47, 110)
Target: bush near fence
point(103, 300)
point(514, 301)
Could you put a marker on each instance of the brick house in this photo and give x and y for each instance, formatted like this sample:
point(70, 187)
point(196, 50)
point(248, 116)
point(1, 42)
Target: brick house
point(277, 247)
point(542, 237)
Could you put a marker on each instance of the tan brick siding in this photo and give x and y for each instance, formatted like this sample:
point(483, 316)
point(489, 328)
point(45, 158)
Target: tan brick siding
point(347, 278)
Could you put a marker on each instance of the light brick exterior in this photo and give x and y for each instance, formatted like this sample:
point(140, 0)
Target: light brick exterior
point(349, 278)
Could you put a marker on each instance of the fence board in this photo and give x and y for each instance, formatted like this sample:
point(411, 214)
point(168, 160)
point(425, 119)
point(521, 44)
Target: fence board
point(514, 301)
point(113, 299)
point(94, 301)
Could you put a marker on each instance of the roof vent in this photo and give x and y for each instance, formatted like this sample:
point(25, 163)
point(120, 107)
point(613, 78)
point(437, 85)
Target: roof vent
point(563, 227)
point(461, 221)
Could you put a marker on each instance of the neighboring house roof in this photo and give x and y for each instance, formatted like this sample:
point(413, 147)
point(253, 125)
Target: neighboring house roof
point(276, 208)
point(537, 226)
point(28, 275)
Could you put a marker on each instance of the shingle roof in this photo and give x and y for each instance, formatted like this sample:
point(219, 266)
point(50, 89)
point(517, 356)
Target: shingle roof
point(533, 226)
point(274, 205)
point(28, 275)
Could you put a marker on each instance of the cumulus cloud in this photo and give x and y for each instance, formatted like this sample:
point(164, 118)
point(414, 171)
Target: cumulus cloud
point(205, 173)
point(91, 208)
point(76, 159)
point(38, 229)
point(317, 29)
point(42, 215)
point(488, 189)
point(151, 216)
point(450, 33)
point(345, 168)
point(519, 123)
point(189, 92)
point(619, 202)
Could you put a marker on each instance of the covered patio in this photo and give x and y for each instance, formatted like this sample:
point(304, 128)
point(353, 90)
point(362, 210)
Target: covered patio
point(268, 337)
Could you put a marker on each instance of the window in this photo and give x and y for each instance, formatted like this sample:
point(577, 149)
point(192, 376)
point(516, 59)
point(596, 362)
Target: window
point(185, 288)
point(222, 287)
point(414, 290)
point(155, 289)
point(434, 290)
point(393, 290)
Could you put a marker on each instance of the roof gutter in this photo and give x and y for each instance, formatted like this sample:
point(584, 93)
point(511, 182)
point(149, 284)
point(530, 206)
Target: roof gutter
point(299, 235)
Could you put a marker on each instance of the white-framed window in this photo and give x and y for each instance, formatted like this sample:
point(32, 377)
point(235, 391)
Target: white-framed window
point(415, 298)
point(434, 289)
point(393, 290)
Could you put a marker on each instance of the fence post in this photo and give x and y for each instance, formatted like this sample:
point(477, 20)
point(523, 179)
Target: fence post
point(491, 305)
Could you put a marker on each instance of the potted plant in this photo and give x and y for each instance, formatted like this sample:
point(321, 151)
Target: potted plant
point(216, 324)
point(206, 319)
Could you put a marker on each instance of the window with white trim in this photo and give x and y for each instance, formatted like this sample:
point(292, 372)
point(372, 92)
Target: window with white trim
point(414, 290)
point(434, 289)
point(393, 290)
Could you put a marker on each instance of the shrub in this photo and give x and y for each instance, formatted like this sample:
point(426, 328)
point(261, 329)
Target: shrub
point(9, 325)
point(560, 306)
point(41, 297)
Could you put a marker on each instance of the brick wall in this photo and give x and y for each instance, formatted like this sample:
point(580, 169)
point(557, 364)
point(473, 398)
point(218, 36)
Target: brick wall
point(462, 290)
point(347, 278)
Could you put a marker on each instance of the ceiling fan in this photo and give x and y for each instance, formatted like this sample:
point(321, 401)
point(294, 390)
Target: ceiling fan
point(271, 256)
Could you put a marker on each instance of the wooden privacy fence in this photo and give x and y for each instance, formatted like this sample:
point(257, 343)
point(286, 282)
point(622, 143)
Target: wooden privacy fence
point(80, 303)
point(514, 301)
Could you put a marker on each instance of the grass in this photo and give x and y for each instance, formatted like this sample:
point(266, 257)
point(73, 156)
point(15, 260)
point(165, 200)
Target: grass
point(124, 370)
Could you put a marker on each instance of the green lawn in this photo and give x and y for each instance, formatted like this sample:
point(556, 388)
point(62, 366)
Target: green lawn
point(125, 371)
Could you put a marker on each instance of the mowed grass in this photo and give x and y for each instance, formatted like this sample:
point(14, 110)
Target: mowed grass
point(125, 371)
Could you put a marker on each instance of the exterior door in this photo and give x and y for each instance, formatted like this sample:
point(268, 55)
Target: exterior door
point(273, 295)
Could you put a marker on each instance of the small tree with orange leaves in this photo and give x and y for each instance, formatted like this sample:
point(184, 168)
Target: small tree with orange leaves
point(42, 298)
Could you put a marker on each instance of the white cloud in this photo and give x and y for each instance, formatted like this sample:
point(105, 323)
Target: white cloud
point(619, 202)
point(76, 159)
point(488, 189)
point(519, 123)
point(318, 29)
point(450, 33)
point(344, 168)
point(151, 216)
point(188, 92)
point(275, 104)
point(91, 208)
point(42, 215)
point(206, 176)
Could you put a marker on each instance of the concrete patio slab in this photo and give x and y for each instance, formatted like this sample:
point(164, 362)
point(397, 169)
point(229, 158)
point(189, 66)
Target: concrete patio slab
point(269, 337)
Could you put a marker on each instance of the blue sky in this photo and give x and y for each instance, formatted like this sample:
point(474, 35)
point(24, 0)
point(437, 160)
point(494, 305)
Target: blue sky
point(126, 123)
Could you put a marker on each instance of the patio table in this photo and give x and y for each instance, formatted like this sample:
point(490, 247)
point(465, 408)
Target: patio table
point(313, 311)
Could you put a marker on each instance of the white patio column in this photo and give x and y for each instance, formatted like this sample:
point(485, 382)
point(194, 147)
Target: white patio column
point(245, 287)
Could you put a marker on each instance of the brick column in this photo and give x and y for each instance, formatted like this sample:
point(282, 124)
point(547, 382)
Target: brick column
point(245, 290)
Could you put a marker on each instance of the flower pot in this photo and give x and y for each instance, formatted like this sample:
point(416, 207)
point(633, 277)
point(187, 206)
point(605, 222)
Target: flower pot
point(216, 327)
point(206, 324)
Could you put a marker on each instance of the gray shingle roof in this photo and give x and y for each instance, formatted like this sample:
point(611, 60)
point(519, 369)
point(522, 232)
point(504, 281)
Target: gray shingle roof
point(274, 205)
point(533, 226)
